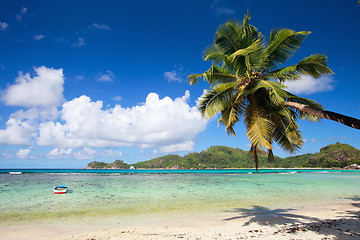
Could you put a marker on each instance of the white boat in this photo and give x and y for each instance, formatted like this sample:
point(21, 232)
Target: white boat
point(15, 173)
point(132, 168)
point(60, 189)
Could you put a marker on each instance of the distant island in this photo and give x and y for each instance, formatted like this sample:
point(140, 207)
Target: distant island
point(220, 157)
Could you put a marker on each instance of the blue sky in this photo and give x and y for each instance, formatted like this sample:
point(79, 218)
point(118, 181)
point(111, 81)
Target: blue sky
point(105, 80)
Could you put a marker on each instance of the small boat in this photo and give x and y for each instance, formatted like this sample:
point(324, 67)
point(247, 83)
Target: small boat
point(132, 168)
point(60, 189)
point(15, 173)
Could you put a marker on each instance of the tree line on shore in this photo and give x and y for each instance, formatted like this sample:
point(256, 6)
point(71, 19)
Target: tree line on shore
point(220, 157)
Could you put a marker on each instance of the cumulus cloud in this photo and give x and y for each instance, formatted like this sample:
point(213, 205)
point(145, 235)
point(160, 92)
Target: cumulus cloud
point(308, 85)
point(106, 77)
point(23, 153)
point(100, 26)
point(17, 132)
point(21, 128)
point(45, 89)
point(39, 37)
point(153, 124)
point(166, 124)
point(79, 43)
point(3, 26)
point(59, 153)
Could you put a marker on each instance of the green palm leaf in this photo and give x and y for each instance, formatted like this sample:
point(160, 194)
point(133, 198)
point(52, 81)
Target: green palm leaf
point(214, 75)
point(216, 99)
point(259, 126)
point(282, 45)
point(314, 65)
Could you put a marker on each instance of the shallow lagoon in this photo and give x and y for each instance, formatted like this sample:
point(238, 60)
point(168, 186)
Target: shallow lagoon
point(120, 194)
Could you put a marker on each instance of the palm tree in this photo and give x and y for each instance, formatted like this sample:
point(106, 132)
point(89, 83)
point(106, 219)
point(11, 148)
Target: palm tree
point(245, 81)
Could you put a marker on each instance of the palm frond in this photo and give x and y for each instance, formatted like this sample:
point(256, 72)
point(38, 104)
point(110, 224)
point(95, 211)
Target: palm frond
point(314, 65)
point(216, 99)
point(282, 45)
point(276, 93)
point(286, 132)
point(213, 75)
point(259, 126)
point(230, 114)
point(249, 55)
point(214, 53)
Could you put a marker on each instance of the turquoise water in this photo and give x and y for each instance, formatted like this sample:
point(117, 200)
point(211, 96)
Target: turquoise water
point(28, 197)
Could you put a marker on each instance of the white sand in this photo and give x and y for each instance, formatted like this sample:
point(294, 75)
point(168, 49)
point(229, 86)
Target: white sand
point(336, 221)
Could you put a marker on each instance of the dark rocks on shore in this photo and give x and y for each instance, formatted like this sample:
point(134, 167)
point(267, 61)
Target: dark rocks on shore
point(351, 167)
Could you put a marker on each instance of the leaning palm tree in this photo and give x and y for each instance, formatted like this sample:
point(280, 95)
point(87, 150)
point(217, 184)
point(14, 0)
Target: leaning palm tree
point(246, 82)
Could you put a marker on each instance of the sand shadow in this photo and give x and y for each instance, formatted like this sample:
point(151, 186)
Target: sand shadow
point(269, 217)
point(345, 227)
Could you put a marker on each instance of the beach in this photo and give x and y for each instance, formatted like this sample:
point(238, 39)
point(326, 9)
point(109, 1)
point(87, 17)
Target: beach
point(283, 205)
point(333, 221)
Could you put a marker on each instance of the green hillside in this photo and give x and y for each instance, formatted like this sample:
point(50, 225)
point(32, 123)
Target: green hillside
point(335, 155)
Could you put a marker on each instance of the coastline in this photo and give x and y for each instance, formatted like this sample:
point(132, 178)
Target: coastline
point(330, 221)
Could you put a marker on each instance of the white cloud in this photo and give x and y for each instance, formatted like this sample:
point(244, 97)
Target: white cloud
point(21, 128)
point(79, 77)
point(106, 77)
point(101, 26)
point(17, 132)
point(220, 7)
point(22, 13)
point(23, 153)
point(172, 76)
point(84, 153)
point(59, 153)
point(177, 75)
point(336, 138)
point(117, 98)
point(38, 37)
point(80, 42)
point(184, 146)
point(308, 85)
point(224, 11)
point(165, 124)
point(3, 26)
point(45, 89)
point(153, 124)
point(313, 140)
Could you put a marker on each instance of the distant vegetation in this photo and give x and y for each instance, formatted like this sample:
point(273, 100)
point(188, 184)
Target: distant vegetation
point(118, 164)
point(335, 155)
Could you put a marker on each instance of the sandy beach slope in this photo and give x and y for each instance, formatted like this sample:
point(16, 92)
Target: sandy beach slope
point(335, 221)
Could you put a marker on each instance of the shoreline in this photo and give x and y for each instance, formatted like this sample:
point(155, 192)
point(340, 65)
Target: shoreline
point(331, 221)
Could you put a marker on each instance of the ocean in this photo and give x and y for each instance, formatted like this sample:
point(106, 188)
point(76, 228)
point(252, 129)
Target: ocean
point(119, 195)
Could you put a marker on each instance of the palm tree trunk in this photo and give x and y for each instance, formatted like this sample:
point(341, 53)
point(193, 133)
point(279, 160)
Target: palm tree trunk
point(253, 152)
point(346, 120)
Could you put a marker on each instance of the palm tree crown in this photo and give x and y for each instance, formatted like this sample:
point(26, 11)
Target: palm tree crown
point(245, 82)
